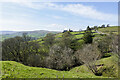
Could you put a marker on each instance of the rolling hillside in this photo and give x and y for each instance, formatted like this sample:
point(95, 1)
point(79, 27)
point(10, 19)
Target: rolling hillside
point(7, 32)
point(36, 34)
point(11, 69)
point(113, 29)
point(79, 35)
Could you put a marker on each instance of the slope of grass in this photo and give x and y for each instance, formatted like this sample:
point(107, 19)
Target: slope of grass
point(77, 35)
point(110, 68)
point(113, 29)
point(12, 69)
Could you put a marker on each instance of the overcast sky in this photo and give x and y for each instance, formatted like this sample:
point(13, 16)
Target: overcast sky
point(29, 16)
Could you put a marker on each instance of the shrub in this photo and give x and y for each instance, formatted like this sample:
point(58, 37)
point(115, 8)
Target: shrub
point(49, 39)
point(11, 49)
point(88, 55)
point(36, 60)
point(107, 44)
point(60, 58)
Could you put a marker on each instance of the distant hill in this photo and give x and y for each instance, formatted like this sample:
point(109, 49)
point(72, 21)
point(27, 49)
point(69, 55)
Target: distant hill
point(7, 32)
point(36, 34)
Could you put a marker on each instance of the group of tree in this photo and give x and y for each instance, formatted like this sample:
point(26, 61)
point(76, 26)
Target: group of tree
point(60, 54)
point(68, 30)
point(102, 26)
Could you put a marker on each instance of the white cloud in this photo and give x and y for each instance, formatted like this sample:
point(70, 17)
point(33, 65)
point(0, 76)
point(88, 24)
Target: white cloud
point(62, 0)
point(57, 17)
point(56, 27)
point(75, 9)
point(17, 25)
point(27, 25)
point(89, 12)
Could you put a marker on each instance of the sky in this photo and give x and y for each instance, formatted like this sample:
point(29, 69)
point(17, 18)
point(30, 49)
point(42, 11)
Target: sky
point(56, 16)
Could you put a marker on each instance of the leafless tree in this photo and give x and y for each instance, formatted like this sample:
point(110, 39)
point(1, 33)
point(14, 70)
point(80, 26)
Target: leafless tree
point(88, 55)
point(60, 58)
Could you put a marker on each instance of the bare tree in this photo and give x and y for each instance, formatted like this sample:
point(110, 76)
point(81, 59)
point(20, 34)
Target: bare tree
point(60, 58)
point(88, 55)
point(114, 44)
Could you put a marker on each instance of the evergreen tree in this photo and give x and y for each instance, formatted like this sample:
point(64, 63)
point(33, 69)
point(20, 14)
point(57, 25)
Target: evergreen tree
point(88, 28)
point(103, 26)
point(108, 25)
point(88, 36)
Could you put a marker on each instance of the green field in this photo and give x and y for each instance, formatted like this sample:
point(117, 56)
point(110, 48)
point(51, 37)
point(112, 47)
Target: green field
point(113, 29)
point(12, 69)
point(77, 35)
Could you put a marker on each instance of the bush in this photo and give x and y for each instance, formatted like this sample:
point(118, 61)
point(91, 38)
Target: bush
point(67, 39)
point(49, 39)
point(11, 49)
point(36, 60)
point(115, 43)
point(88, 55)
point(60, 58)
point(107, 44)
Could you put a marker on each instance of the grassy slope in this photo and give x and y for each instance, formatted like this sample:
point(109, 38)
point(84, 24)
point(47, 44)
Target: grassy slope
point(14, 69)
point(78, 36)
point(110, 67)
point(113, 29)
point(108, 63)
point(17, 70)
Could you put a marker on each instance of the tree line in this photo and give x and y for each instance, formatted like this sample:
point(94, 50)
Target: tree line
point(59, 54)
